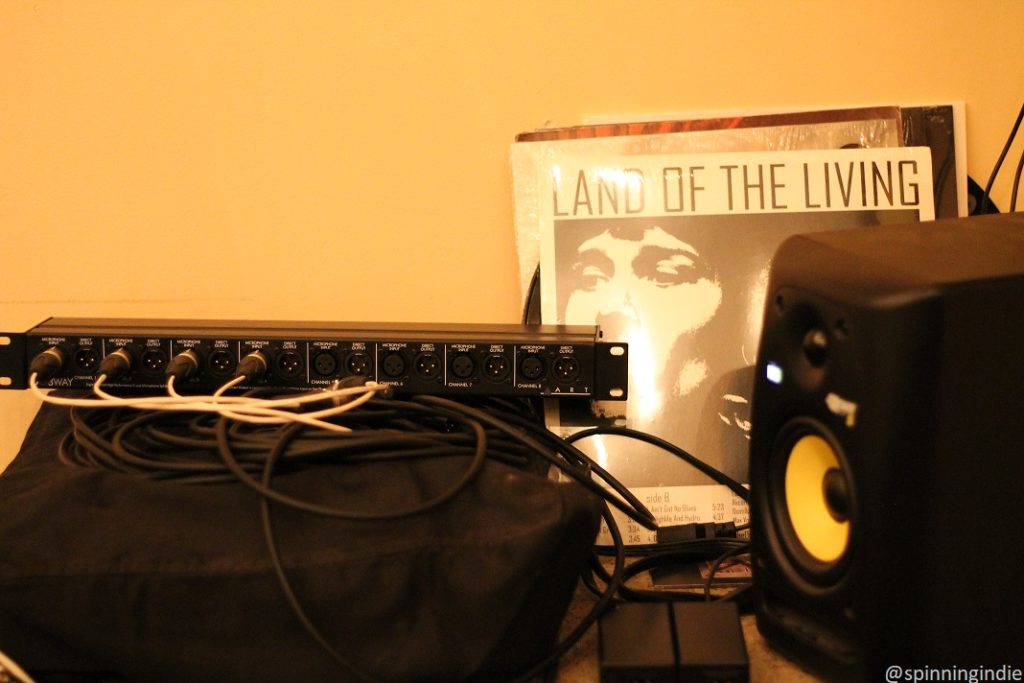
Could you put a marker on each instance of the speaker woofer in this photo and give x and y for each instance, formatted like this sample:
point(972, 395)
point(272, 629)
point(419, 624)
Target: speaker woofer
point(812, 500)
point(812, 470)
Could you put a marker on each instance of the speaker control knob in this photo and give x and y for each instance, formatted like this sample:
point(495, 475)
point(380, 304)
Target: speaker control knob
point(816, 347)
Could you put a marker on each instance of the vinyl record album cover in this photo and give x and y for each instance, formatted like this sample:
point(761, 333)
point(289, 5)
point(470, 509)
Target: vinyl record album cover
point(531, 154)
point(670, 253)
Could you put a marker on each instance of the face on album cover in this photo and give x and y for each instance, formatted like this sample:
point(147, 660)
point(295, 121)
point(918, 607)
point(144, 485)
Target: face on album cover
point(687, 294)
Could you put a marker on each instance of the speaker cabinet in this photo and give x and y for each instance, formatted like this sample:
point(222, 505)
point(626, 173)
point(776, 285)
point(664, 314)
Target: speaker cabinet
point(887, 447)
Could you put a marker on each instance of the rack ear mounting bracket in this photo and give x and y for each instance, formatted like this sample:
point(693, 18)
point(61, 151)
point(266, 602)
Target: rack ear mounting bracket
point(13, 373)
point(611, 363)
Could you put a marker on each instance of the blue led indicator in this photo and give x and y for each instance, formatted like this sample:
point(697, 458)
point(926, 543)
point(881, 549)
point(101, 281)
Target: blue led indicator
point(774, 373)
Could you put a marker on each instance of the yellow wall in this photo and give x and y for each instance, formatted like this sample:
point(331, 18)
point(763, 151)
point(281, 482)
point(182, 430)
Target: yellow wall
point(348, 161)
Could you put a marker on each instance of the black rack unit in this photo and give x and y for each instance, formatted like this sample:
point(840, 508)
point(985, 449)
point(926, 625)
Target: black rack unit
point(549, 361)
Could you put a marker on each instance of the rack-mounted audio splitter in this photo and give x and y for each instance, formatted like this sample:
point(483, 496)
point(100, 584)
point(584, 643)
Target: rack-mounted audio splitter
point(549, 361)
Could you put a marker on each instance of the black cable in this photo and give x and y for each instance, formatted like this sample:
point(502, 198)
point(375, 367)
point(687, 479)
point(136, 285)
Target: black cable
point(614, 584)
point(657, 555)
point(715, 474)
point(184, 445)
point(128, 455)
point(635, 509)
point(631, 505)
point(534, 424)
point(983, 208)
point(282, 576)
point(198, 448)
point(733, 552)
point(692, 551)
point(204, 448)
point(290, 432)
point(531, 303)
point(1016, 183)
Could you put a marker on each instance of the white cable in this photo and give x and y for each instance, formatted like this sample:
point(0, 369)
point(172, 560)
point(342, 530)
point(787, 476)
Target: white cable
point(313, 419)
point(8, 666)
point(240, 408)
point(224, 387)
point(171, 391)
point(107, 400)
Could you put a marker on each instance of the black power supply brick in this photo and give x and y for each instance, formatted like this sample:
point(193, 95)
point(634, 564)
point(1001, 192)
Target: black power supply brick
point(653, 642)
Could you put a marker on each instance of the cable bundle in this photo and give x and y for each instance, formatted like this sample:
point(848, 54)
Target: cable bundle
point(252, 438)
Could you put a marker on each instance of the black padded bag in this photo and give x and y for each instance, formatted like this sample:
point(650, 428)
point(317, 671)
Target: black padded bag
point(153, 581)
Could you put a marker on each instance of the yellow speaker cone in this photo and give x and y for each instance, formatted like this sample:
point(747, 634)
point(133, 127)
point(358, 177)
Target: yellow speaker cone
point(822, 535)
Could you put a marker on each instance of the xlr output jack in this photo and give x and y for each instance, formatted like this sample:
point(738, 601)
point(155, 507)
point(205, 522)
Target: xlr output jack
point(221, 363)
point(86, 359)
point(289, 364)
point(427, 365)
point(359, 363)
point(566, 369)
point(497, 367)
point(153, 361)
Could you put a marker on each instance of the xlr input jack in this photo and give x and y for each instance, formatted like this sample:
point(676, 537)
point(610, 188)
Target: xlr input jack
point(48, 363)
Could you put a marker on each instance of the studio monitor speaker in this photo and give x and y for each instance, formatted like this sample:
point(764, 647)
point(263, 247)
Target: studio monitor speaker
point(887, 448)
